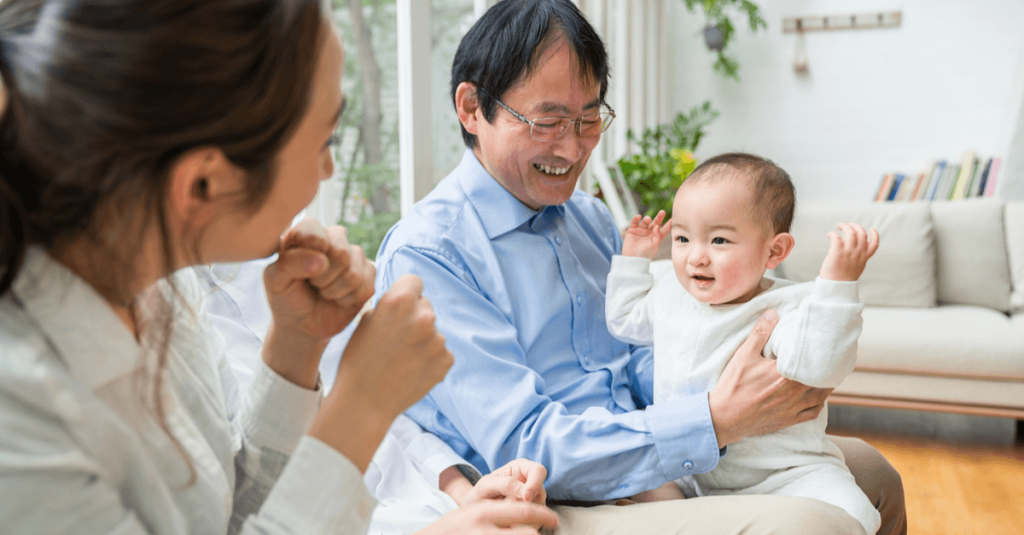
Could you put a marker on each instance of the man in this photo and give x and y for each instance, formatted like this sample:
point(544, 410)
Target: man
point(514, 261)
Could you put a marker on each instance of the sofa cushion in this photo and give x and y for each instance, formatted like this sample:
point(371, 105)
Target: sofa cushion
point(953, 340)
point(902, 272)
point(1014, 217)
point(982, 395)
point(972, 266)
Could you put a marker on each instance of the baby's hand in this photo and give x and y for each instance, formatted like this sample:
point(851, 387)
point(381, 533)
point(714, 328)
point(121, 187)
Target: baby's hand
point(644, 235)
point(849, 253)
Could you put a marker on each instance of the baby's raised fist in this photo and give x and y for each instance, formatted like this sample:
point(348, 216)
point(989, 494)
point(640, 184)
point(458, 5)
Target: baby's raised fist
point(849, 252)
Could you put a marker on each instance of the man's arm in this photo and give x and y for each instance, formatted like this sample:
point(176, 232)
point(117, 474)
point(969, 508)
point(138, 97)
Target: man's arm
point(494, 405)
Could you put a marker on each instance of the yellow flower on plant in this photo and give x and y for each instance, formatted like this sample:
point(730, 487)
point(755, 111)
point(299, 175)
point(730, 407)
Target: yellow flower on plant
point(685, 163)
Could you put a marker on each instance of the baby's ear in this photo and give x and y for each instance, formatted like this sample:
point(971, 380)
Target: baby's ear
point(781, 246)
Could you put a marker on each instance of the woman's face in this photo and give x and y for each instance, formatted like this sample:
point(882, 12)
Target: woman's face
point(303, 162)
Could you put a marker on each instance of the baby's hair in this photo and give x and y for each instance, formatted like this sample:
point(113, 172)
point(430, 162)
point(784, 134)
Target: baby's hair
point(772, 193)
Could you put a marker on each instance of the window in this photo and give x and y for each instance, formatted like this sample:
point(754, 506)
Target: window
point(365, 193)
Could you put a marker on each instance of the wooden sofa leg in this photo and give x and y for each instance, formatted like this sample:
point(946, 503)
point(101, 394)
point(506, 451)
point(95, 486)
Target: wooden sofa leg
point(1020, 432)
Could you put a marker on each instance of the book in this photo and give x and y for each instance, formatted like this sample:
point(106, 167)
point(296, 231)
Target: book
point(922, 182)
point(884, 188)
point(896, 181)
point(979, 186)
point(967, 162)
point(990, 184)
point(907, 188)
point(945, 192)
point(937, 171)
point(975, 177)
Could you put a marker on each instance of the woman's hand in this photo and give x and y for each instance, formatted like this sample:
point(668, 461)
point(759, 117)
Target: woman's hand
point(319, 282)
point(315, 288)
point(395, 356)
point(494, 517)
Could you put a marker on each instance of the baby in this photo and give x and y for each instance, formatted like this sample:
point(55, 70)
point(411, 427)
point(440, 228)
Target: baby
point(730, 223)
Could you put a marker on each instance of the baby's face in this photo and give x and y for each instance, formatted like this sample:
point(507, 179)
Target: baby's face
point(718, 252)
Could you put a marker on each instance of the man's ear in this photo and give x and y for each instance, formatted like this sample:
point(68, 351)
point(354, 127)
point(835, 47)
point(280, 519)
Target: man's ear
point(199, 182)
point(781, 245)
point(468, 106)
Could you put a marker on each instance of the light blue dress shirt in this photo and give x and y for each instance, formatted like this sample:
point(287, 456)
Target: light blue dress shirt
point(519, 296)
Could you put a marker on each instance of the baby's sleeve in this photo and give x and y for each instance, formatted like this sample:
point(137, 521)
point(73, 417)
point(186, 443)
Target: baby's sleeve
point(628, 300)
point(815, 341)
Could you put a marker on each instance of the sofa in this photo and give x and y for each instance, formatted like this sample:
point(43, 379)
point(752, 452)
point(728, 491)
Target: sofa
point(944, 303)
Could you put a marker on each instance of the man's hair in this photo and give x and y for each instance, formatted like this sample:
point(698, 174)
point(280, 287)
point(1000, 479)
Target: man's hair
point(504, 47)
point(772, 194)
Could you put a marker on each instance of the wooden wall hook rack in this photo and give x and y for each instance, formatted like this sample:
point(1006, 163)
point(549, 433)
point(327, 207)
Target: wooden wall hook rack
point(879, 19)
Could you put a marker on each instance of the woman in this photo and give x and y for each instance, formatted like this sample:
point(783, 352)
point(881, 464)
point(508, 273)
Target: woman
point(138, 138)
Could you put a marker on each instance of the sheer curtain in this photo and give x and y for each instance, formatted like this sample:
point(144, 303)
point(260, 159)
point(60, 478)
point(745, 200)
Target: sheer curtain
point(634, 34)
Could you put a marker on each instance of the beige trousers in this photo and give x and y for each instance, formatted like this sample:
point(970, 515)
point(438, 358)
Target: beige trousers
point(753, 515)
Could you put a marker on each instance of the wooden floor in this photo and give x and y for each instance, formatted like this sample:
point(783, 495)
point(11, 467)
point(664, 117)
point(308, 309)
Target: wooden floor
point(956, 489)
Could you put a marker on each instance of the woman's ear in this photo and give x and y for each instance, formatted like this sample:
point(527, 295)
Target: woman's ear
point(200, 181)
point(781, 245)
point(467, 106)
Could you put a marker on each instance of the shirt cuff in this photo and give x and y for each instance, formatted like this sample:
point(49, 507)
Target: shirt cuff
point(280, 411)
point(684, 435)
point(631, 264)
point(320, 491)
point(831, 291)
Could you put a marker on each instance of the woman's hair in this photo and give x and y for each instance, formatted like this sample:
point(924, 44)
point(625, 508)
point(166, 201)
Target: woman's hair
point(102, 97)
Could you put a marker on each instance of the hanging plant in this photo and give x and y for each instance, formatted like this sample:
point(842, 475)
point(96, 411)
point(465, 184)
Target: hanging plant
point(719, 30)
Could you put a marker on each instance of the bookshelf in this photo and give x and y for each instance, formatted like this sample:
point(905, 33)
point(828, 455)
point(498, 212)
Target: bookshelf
point(947, 180)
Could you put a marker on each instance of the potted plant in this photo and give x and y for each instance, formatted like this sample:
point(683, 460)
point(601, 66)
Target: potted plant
point(718, 30)
point(665, 158)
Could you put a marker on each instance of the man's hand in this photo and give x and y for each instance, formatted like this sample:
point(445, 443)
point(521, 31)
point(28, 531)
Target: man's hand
point(849, 253)
point(519, 480)
point(752, 398)
point(643, 237)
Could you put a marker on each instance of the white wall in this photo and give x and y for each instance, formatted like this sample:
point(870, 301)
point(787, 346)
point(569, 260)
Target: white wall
point(949, 79)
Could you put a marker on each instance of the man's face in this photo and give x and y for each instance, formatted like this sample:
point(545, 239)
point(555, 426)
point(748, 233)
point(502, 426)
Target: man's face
point(540, 173)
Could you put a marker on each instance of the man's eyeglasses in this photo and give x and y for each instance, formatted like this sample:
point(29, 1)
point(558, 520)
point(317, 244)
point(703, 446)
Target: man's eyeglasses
point(552, 128)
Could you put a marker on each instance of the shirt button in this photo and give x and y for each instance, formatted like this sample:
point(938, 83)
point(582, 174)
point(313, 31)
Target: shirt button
point(688, 465)
point(558, 240)
point(579, 299)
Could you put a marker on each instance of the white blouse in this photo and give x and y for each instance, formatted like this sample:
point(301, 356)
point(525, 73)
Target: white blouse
point(82, 452)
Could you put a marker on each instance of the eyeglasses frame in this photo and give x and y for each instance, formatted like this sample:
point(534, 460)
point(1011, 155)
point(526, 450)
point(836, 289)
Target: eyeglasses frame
point(578, 121)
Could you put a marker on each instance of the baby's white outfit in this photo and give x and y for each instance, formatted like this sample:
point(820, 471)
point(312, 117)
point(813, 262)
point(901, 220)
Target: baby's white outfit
point(815, 343)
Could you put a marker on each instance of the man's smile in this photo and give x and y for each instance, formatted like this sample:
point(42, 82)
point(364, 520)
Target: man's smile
point(550, 169)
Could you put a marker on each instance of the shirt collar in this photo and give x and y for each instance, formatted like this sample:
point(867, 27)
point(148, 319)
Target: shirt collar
point(81, 326)
point(499, 210)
